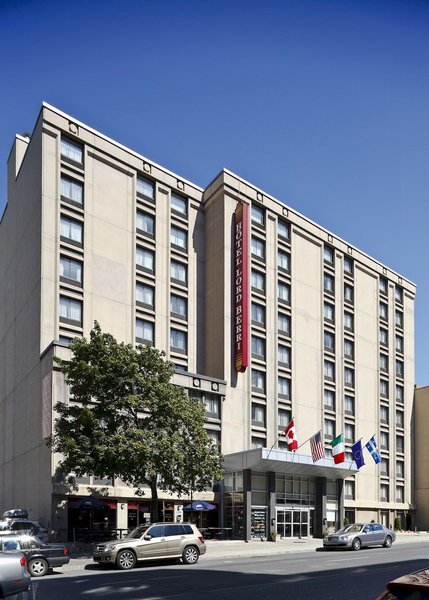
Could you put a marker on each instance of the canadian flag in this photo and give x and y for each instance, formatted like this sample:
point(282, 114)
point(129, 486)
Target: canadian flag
point(291, 436)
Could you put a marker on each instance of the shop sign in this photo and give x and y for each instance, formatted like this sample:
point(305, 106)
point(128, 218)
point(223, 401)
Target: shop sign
point(241, 287)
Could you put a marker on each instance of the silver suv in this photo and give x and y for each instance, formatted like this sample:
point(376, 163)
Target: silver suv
point(153, 542)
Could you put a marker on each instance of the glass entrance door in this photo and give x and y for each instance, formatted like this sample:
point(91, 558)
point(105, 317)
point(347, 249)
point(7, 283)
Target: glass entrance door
point(294, 522)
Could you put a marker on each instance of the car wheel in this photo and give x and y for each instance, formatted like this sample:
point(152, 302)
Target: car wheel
point(190, 555)
point(387, 542)
point(356, 544)
point(125, 560)
point(38, 567)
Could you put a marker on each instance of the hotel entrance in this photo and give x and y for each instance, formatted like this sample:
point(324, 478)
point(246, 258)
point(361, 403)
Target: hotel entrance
point(294, 522)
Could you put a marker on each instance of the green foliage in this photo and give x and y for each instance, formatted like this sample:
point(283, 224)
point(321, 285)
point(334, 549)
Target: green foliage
point(129, 421)
point(397, 524)
point(345, 522)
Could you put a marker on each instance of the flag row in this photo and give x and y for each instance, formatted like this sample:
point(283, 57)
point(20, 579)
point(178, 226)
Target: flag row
point(337, 444)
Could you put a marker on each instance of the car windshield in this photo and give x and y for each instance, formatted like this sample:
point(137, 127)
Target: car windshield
point(351, 528)
point(137, 532)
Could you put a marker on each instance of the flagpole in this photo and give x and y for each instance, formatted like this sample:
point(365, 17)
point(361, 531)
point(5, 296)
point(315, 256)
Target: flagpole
point(278, 437)
point(300, 446)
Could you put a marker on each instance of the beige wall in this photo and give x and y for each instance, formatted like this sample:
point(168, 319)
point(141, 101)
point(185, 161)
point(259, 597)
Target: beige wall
point(421, 456)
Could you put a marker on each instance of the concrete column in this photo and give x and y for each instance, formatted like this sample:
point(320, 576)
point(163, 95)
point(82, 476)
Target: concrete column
point(340, 499)
point(320, 508)
point(271, 487)
point(247, 504)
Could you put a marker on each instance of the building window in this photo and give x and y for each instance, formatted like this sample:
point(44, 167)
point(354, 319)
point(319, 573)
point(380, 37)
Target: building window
point(400, 444)
point(145, 259)
point(329, 312)
point(399, 419)
point(258, 381)
point(283, 229)
point(258, 281)
point(179, 205)
point(258, 248)
point(145, 223)
point(399, 368)
point(258, 215)
point(348, 321)
point(384, 492)
point(328, 255)
point(257, 442)
point(329, 370)
point(179, 238)
point(328, 283)
point(384, 440)
point(329, 399)
point(178, 306)
point(329, 341)
point(382, 285)
point(349, 490)
point(399, 493)
point(179, 272)
point(384, 363)
point(212, 405)
point(145, 295)
point(258, 314)
point(71, 190)
point(283, 324)
point(384, 467)
point(258, 415)
point(71, 231)
point(283, 355)
point(349, 377)
point(214, 436)
point(71, 151)
point(348, 265)
point(399, 318)
point(283, 260)
point(258, 347)
point(349, 293)
point(349, 433)
point(283, 290)
point(400, 468)
point(349, 404)
point(399, 294)
point(145, 331)
point(284, 418)
point(384, 414)
point(383, 311)
point(384, 388)
point(384, 337)
point(329, 429)
point(70, 310)
point(145, 188)
point(283, 384)
point(399, 394)
point(178, 340)
point(70, 270)
point(399, 343)
point(349, 349)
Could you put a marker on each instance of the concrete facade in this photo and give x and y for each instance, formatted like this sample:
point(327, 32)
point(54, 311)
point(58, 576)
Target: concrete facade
point(94, 231)
point(421, 456)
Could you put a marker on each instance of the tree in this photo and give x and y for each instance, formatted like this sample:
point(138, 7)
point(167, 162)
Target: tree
point(129, 421)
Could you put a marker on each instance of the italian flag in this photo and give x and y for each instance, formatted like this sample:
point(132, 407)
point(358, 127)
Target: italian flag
point(338, 449)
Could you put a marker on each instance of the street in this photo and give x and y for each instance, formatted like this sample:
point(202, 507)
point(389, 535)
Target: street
point(316, 574)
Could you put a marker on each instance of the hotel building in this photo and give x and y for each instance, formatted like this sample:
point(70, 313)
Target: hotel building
point(265, 315)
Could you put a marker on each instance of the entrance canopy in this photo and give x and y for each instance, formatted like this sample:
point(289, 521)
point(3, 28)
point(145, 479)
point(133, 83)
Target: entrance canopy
point(263, 460)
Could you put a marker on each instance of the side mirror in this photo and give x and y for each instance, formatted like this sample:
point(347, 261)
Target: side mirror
point(147, 537)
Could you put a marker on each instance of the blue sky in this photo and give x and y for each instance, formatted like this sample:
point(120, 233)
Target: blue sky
point(322, 103)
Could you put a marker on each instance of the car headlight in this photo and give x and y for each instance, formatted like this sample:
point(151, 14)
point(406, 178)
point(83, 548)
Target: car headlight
point(342, 538)
point(109, 547)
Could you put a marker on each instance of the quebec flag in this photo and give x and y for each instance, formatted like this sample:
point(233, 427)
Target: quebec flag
point(372, 448)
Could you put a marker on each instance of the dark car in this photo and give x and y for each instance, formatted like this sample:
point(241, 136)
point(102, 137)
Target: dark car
point(40, 557)
point(359, 535)
point(414, 586)
point(26, 526)
point(14, 577)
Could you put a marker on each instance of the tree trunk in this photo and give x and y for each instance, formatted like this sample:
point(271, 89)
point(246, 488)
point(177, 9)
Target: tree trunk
point(154, 506)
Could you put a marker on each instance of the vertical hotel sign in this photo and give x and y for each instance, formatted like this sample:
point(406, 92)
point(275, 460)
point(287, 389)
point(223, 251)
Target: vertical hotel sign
point(241, 287)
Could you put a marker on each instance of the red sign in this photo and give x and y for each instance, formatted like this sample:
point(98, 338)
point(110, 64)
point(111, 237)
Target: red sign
point(241, 287)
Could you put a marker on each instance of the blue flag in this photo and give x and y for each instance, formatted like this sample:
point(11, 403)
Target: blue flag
point(372, 448)
point(357, 454)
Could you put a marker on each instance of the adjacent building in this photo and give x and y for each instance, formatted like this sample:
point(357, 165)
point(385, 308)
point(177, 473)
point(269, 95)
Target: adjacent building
point(265, 314)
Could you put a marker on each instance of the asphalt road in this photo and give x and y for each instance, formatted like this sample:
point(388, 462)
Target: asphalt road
point(323, 575)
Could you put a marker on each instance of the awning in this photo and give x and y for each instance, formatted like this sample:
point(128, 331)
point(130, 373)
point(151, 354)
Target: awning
point(263, 460)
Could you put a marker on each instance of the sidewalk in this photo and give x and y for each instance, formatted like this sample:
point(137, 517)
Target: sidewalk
point(238, 548)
